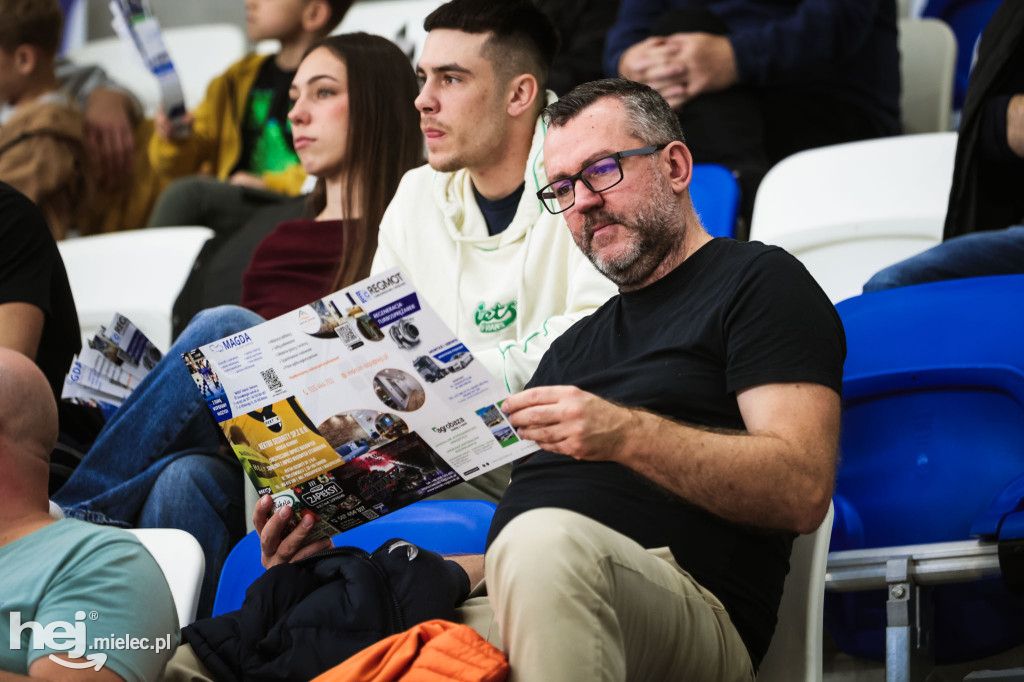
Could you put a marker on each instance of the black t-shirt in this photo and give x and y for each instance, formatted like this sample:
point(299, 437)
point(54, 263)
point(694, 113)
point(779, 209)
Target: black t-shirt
point(31, 271)
point(267, 145)
point(732, 316)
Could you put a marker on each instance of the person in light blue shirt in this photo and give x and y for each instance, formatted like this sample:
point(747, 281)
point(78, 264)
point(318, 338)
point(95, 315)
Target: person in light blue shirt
point(78, 601)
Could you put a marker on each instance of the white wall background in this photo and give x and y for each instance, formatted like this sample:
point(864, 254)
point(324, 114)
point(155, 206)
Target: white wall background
point(171, 13)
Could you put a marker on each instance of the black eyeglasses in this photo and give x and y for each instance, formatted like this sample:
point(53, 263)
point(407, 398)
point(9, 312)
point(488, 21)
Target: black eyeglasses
point(603, 174)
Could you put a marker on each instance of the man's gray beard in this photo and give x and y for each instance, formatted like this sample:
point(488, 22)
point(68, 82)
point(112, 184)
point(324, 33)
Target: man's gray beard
point(654, 230)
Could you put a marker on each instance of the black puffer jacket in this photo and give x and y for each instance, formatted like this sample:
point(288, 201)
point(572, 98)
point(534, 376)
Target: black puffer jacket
point(300, 619)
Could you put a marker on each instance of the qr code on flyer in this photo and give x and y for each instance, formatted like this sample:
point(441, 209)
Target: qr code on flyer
point(270, 378)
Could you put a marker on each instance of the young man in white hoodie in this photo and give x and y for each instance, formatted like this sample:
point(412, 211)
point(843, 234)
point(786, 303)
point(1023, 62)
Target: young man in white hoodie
point(467, 227)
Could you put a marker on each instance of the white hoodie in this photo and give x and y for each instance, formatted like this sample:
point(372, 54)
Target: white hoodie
point(507, 296)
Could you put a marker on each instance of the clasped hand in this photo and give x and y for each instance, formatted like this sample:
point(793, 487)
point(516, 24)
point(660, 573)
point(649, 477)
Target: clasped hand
point(682, 65)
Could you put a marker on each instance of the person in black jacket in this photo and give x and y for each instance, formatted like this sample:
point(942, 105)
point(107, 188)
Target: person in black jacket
point(582, 26)
point(754, 82)
point(988, 173)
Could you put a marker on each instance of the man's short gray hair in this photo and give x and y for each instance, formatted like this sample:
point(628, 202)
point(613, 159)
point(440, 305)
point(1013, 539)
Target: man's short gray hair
point(651, 119)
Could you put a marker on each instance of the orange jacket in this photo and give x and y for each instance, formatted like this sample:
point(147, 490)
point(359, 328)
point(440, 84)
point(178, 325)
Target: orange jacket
point(434, 651)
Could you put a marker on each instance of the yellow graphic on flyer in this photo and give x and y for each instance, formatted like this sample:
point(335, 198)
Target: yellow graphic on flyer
point(279, 447)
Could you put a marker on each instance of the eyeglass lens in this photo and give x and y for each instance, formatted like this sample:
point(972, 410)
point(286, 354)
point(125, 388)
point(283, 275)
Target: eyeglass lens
point(598, 176)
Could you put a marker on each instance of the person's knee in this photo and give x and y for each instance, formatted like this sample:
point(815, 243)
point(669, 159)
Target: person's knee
point(180, 202)
point(543, 545)
point(918, 269)
point(220, 321)
point(181, 190)
point(183, 474)
point(883, 279)
point(215, 476)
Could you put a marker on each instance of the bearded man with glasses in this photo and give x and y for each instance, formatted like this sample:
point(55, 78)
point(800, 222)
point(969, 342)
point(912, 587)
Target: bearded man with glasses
point(688, 427)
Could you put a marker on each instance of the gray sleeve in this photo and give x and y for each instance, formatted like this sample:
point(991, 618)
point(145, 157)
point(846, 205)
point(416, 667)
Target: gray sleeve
point(80, 80)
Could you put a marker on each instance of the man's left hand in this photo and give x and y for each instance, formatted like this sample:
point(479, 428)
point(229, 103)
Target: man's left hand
point(282, 536)
point(570, 421)
point(109, 135)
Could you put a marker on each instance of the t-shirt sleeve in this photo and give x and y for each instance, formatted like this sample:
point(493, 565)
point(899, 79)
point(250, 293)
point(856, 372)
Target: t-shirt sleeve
point(780, 327)
point(27, 252)
point(128, 609)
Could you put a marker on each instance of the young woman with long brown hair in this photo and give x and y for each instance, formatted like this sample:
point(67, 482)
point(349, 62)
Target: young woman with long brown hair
point(355, 128)
point(158, 461)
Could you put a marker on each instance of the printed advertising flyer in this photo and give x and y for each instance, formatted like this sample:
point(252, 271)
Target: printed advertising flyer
point(355, 405)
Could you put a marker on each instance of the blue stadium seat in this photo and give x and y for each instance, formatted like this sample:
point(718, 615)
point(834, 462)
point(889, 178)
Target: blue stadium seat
point(716, 196)
point(444, 526)
point(932, 450)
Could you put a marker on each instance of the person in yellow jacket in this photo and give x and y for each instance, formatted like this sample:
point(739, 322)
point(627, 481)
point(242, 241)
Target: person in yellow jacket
point(238, 141)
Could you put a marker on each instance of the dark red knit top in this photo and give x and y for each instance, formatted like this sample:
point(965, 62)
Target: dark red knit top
point(293, 265)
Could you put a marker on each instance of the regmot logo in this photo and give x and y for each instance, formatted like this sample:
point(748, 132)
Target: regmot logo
point(72, 639)
point(381, 286)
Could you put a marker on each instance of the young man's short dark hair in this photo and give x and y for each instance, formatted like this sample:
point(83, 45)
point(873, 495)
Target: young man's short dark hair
point(31, 22)
point(523, 38)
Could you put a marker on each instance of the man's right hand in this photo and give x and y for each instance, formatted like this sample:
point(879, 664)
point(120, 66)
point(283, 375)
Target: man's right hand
point(164, 127)
point(281, 539)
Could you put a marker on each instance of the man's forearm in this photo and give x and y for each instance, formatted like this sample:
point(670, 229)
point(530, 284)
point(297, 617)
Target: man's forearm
point(762, 480)
point(472, 564)
point(778, 473)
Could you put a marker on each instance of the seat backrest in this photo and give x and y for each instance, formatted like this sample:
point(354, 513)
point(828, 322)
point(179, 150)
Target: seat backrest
point(795, 651)
point(199, 54)
point(391, 19)
point(181, 559)
point(927, 63)
point(716, 197)
point(932, 432)
point(933, 396)
point(847, 211)
point(400, 21)
point(444, 526)
point(137, 273)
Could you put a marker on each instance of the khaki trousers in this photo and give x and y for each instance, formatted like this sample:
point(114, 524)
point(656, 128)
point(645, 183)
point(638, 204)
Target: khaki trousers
point(575, 600)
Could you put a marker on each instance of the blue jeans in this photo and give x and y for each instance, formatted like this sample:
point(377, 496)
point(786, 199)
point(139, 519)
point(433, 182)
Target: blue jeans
point(126, 479)
point(980, 254)
point(211, 490)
